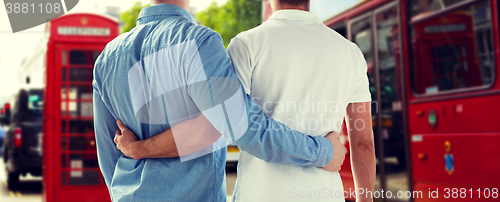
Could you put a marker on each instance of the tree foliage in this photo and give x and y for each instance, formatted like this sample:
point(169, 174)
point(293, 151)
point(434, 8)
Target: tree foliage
point(228, 19)
point(231, 18)
point(129, 17)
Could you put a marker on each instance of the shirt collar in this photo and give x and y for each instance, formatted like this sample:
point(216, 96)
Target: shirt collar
point(162, 10)
point(295, 15)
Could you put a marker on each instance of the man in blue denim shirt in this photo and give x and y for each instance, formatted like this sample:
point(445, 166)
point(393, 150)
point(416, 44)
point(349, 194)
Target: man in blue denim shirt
point(170, 74)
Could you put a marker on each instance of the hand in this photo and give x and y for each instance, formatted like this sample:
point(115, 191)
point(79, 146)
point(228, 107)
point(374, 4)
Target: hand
point(339, 152)
point(126, 141)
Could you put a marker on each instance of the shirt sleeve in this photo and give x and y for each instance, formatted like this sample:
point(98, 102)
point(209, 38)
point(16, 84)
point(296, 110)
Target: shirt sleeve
point(241, 120)
point(239, 55)
point(105, 127)
point(362, 88)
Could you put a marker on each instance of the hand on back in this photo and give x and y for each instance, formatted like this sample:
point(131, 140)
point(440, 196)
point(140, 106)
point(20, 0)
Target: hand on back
point(339, 152)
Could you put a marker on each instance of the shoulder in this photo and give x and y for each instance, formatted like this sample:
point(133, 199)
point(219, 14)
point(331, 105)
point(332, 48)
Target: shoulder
point(203, 33)
point(170, 32)
point(340, 42)
point(350, 51)
point(356, 51)
point(254, 33)
point(358, 58)
point(251, 38)
point(121, 44)
point(335, 37)
point(188, 30)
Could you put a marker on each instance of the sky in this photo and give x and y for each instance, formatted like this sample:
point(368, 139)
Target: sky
point(15, 47)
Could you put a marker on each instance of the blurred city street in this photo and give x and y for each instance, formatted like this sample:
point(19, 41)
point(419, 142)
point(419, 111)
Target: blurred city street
point(30, 189)
point(419, 121)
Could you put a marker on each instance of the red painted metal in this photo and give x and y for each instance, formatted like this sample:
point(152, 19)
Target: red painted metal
point(467, 121)
point(57, 188)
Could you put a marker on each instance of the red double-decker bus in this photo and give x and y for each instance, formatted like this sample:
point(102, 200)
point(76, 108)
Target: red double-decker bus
point(433, 67)
point(63, 67)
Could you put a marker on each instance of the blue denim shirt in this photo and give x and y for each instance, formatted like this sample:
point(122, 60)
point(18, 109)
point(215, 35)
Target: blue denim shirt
point(167, 70)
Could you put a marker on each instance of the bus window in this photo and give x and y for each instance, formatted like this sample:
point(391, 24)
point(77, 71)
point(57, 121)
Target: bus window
point(340, 28)
point(390, 104)
point(35, 104)
point(453, 51)
point(361, 35)
point(422, 7)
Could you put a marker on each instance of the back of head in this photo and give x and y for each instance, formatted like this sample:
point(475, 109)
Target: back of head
point(294, 2)
point(181, 3)
point(290, 4)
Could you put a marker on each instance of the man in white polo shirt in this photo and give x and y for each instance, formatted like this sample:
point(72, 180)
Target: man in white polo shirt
point(308, 77)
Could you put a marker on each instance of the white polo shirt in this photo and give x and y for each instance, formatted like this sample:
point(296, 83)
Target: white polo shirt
point(304, 75)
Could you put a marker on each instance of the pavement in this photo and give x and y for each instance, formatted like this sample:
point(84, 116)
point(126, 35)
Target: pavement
point(30, 189)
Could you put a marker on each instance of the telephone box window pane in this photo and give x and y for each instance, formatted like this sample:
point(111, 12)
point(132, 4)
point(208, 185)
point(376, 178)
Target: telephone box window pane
point(63, 161)
point(84, 177)
point(63, 74)
point(95, 55)
point(81, 126)
point(63, 126)
point(77, 57)
point(63, 177)
point(63, 144)
point(80, 109)
point(80, 92)
point(63, 92)
point(80, 74)
point(86, 109)
point(63, 109)
point(79, 161)
point(82, 143)
point(63, 55)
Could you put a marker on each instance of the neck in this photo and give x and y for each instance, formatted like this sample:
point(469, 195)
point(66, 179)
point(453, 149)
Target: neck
point(290, 7)
point(181, 3)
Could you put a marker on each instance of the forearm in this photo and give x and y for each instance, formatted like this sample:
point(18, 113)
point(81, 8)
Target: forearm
point(274, 142)
point(159, 146)
point(182, 139)
point(362, 149)
point(363, 167)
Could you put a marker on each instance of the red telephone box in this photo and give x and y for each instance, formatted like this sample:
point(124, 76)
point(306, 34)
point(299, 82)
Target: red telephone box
point(70, 167)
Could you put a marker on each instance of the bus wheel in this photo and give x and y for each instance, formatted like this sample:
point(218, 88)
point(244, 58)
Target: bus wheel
point(12, 180)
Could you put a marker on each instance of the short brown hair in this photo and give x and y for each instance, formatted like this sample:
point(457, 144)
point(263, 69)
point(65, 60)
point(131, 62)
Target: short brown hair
point(295, 2)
